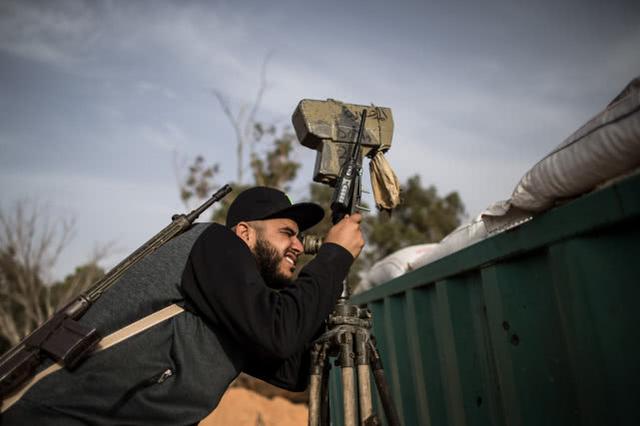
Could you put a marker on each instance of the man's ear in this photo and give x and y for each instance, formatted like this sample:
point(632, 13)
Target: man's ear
point(246, 233)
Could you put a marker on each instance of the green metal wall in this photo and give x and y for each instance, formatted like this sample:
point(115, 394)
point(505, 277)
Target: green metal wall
point(535, 326)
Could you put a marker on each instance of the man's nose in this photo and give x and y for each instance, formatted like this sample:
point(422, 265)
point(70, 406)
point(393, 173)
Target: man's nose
point(297, 244)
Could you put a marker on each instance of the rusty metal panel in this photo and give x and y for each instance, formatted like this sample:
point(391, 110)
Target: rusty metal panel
point(533, 326)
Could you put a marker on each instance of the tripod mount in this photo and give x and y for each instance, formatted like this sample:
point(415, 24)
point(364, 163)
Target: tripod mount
point(340, 135)
point(348, 339)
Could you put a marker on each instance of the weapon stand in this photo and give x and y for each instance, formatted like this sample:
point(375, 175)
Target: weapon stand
point(349, 340)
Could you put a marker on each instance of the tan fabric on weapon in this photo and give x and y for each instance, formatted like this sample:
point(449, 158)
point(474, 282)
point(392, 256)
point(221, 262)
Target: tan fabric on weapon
point(385, 185)
point(106, 342)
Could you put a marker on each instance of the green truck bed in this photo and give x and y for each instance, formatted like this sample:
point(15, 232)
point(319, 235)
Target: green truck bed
point(534, 326)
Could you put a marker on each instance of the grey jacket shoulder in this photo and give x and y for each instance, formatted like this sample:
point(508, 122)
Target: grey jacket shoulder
point(146, 287)
point(173, 373)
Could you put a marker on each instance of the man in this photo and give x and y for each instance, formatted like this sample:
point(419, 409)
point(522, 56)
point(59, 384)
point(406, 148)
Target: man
point(244, 311)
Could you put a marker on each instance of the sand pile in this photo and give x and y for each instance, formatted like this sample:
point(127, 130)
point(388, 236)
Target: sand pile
point(243, 407)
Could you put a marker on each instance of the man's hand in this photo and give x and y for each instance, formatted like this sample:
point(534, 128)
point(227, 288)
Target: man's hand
point(347, 234)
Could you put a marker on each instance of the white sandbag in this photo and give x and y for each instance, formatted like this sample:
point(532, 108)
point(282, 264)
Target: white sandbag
point(498, 217)
point(461, 237)
point(392, 266)
point(605, 147)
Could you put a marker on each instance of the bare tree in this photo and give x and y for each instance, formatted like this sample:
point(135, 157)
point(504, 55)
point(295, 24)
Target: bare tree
point(30, 245)
point(247, 130)
point(271, 165)
point(199, 178)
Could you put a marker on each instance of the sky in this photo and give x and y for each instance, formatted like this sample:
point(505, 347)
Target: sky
point(99, 100)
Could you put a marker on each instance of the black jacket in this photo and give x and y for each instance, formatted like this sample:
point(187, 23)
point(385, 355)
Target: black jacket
point(177, 371)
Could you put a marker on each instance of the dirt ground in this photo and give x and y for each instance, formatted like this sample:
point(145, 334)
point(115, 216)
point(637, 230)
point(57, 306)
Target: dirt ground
point(244, 407)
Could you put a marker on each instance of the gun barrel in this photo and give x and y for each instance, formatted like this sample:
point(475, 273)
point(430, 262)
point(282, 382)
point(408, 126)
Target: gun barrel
point(220, 193)
point(180, 222)
point(347, 190)
point(356, 149)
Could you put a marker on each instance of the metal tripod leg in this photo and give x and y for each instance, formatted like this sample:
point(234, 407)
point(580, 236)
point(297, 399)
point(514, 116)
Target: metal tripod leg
point(381, 384)
point(318, 359)
point(364, 382)
point(319, 413)
point(348, 378)
point(348, 338)
point(325, 412)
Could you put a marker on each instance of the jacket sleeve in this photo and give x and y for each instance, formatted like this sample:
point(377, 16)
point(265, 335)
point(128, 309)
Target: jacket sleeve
point(222, 281)
point(291, 374)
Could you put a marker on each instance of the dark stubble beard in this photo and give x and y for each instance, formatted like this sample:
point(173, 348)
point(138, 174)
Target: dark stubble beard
point(269, 261)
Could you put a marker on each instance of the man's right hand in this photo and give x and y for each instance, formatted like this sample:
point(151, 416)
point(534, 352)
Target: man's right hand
point(347, 234)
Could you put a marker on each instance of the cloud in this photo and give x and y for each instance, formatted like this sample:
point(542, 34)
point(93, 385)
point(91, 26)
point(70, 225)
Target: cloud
point(480, 94)
point(80, 37)
point(147, 87)
point(168, 137)
point(58, 34)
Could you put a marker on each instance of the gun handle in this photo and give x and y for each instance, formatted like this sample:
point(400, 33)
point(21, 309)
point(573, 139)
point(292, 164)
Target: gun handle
point(337, 216)
point(17, 370)
point(70, 342)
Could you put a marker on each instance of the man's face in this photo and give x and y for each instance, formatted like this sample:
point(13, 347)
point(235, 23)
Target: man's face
point(277, 249)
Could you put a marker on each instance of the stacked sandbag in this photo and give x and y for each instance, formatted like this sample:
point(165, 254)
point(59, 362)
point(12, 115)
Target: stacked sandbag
point(607, 146)
point(497, 218)
point(392, 266)
point(605, 149)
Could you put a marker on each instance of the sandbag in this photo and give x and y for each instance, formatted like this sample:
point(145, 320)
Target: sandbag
point(608, 145)
point(392, 266)
point(603, 150)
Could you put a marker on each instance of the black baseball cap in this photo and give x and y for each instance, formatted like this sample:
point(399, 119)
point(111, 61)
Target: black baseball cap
point(261, 202)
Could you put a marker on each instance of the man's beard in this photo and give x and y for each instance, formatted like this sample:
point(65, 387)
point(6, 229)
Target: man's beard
point(269, 261)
